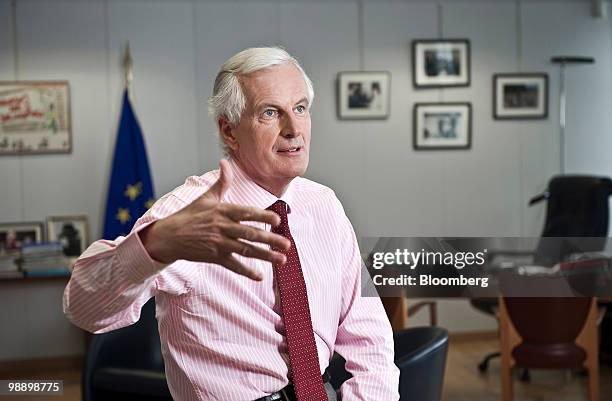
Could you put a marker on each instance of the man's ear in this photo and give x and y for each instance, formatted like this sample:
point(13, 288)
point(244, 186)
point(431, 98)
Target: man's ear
point(226, 128)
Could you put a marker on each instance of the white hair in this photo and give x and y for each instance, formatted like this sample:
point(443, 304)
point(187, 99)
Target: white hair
point(227, 99)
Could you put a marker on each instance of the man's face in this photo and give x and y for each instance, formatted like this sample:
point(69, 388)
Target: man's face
point(271, 143)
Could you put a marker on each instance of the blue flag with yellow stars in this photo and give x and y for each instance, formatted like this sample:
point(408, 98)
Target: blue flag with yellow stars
point(130, 192)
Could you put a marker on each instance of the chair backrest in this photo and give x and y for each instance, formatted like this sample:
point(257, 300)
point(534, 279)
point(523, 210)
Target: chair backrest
point(577, 206)
point(548, 329)
point(420, 355)
point(548, 320)
point(134, 347)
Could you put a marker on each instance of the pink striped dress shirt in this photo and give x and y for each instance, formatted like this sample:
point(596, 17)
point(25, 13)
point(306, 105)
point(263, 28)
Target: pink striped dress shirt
point(222, 334)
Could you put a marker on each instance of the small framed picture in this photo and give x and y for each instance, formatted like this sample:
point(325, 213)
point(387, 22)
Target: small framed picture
point(364, 95)
point(71, 231)
point(35, 117)
point(14, 235)
point(442, 126)
point(520, 96)
point(440, 63)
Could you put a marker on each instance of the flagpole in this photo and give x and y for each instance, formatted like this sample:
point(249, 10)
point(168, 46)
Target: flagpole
point(128, 72)
point(130, 189)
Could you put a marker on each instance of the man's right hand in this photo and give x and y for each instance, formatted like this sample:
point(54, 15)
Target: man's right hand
point(210, 231)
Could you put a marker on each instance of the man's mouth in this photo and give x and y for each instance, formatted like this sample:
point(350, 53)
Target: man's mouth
point(292, 149)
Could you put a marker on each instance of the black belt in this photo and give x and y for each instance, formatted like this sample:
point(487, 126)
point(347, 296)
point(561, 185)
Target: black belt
point(288, 393)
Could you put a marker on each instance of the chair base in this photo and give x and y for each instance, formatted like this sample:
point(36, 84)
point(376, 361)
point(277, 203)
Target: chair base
point(484, 365)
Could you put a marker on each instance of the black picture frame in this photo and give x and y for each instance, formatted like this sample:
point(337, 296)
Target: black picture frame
point(442, 73)
point(536, 105)
point(460, 140)
point(367, 106)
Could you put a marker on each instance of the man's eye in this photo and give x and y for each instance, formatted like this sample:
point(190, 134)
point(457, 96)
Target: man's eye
point(270, 113)
point(300, 109)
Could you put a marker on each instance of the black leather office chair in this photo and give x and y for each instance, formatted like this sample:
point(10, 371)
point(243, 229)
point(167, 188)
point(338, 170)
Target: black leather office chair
point(577, 206)
point(126, 364)
point(420, 354)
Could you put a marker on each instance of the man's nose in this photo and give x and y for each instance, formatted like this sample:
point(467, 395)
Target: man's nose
point(291, 126)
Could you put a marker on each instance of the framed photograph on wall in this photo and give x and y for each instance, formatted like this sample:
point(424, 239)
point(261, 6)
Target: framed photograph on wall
point(14, 235)
point(71, 231)
point(442, 126)
point(35, 117)
point(440, 63)
point(520, 96)
point(364, 95)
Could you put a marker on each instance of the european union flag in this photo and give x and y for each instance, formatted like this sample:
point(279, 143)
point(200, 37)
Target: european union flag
point(130, 192)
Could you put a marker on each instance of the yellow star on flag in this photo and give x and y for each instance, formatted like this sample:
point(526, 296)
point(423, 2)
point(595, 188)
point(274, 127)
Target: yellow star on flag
point(133, 191)
point(149, 203)
point(123, 215)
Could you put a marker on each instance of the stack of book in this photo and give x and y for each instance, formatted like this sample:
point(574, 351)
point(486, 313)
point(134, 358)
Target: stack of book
point(8, 265)
point(44, 259)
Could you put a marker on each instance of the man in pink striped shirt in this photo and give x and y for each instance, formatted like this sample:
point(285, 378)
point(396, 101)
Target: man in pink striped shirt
point(207, 253)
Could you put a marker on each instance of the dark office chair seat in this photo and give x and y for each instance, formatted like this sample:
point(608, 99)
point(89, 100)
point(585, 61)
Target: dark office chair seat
point(132, 381)
point(126, 364)
point(420, 354)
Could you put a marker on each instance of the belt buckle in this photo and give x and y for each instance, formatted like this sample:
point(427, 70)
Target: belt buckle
point(277, 396)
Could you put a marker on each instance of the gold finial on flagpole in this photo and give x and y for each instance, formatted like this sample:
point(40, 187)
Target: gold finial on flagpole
point(128, 70)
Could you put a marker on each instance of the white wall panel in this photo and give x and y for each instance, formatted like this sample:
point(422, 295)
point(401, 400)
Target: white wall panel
point(70, 48)
point(222, 30)
point(59, 184)
point(162, 45)
point(482, 186)
point(570, 30)
point(324, 36)
point(14, 333)
point(403, 187)
point(13, 342)
point(10, 166)
point(49, 332)
point(7, 70)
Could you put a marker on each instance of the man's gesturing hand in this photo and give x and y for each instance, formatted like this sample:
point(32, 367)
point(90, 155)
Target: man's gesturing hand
point(210, 231)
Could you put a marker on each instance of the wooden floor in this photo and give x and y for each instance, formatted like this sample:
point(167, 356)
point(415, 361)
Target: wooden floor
point(463, 382)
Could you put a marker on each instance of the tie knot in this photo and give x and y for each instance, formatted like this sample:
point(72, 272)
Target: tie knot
point(279, 207)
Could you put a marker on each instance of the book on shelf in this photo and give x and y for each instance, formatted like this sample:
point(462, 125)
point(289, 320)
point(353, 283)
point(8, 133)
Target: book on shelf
point(11, 274)
point(45, 259)
point(62, 271)
point(44, 256)
point(39, 248)
point(8, 263)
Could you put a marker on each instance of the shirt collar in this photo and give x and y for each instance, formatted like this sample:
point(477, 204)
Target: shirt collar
point(245, 191)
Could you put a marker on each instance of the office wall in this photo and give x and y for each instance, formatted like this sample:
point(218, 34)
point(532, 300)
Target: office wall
point(387, 188)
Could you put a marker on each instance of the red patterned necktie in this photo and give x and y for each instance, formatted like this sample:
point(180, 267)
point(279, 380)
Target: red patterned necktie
point(303, 358)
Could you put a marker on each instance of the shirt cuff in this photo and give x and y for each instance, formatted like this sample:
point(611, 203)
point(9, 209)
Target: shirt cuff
point(132, 254)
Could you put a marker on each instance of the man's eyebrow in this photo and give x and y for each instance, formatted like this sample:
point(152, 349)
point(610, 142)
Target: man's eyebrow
point(276, 106)
point(264, 105)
